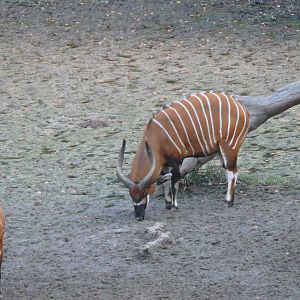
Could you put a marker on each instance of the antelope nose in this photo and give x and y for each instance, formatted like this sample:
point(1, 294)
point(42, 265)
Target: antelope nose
point(139, 218)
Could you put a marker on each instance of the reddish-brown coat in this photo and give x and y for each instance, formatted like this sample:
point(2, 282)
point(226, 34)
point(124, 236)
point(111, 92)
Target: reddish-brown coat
point(165, 151)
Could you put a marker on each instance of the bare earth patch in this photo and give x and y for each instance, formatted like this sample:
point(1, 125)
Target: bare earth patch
point(75, 78)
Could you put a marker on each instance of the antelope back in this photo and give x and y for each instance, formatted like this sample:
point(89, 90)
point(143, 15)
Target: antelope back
point(196, 125)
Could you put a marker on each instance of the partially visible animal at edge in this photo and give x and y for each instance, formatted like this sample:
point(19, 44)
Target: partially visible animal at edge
point(2, 229)
point(200, 125)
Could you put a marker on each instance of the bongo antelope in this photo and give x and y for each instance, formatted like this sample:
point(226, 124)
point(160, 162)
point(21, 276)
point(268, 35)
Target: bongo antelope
point(2, 228)
point(202, 124)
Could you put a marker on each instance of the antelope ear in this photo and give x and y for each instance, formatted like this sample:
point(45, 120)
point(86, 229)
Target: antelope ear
point(164, 178)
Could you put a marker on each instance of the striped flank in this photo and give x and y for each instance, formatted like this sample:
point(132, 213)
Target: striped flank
point(168, 135)
point(198, 124)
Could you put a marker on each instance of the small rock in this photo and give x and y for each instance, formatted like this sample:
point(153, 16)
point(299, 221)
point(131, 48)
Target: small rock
point(93, 124)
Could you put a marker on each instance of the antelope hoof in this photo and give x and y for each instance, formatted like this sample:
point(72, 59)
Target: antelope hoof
point(168, 205)
point(175, 207)
point(229, 203)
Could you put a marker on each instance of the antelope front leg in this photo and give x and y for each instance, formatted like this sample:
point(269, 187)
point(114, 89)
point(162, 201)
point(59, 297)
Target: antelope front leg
point(174, 188)
point(168, 194)
point(176, 176)
point(231, 176)
point(171, 188)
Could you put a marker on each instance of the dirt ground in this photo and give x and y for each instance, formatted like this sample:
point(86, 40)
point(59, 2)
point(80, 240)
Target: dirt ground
point(78, 76)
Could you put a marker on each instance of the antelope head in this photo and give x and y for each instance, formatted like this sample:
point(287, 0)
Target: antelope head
point(139, 191)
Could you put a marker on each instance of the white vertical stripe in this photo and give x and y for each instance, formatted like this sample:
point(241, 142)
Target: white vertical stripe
point(193, 124)
point(229, 116)
point(183, 128)
point(197, 117)
point(237, 121)
point(220, 114)
point(166, 132)
point(245, 122)
point(206, 119)
point(211, 118)
point(171, 122)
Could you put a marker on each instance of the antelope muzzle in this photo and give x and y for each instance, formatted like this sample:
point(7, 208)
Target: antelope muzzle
point(139, 211)
point(140, 208)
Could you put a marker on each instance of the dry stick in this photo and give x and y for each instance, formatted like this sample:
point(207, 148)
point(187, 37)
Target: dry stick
point(261, 108)
point(152, 231)
point(164, 237)
point(155, 231)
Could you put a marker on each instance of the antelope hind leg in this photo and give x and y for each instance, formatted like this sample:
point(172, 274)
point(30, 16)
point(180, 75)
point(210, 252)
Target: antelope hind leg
point(228, 161)
point(231, 176)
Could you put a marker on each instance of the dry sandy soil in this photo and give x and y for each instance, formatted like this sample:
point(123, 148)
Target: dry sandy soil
point(78, 76)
